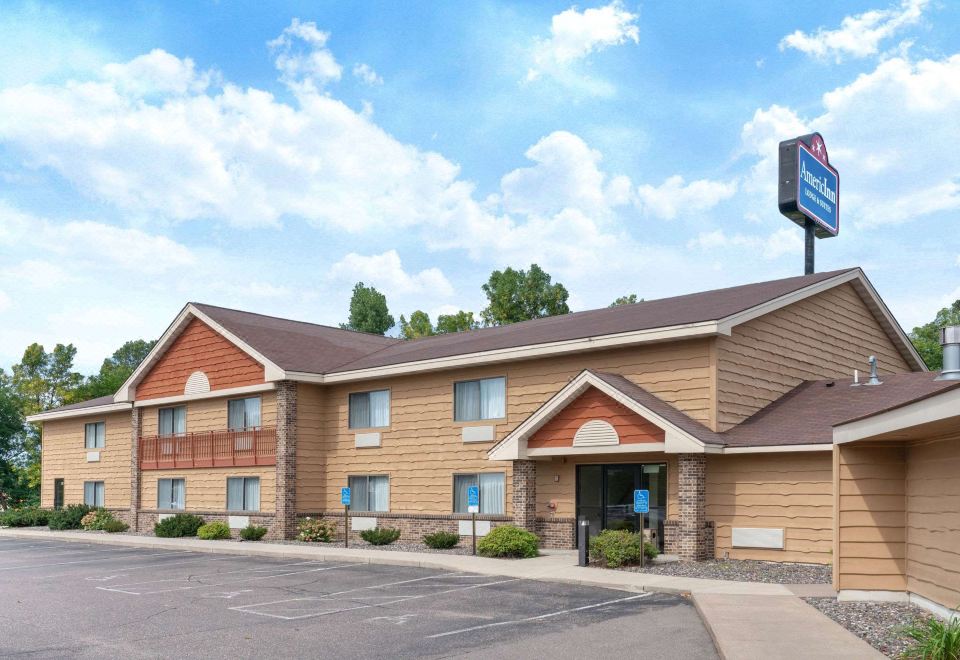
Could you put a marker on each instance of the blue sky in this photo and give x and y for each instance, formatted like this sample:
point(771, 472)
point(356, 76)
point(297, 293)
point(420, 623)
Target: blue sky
point(267, 156)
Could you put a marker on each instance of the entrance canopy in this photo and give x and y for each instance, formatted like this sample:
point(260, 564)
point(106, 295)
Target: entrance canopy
point(603, 413)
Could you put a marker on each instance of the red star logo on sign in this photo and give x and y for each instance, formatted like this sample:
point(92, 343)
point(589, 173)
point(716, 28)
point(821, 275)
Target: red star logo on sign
point(819, 149)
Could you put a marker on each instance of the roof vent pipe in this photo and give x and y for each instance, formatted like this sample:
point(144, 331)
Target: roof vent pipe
point(874, 377)
point(950, 340)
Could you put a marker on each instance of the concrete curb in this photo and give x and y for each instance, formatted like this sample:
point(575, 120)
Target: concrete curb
point(560, 568)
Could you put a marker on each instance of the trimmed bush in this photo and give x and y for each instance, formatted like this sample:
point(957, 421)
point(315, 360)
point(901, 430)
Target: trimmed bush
point(214, 531)
point(182, 524)
point(28, 516)
point(316, 531)
point(380, 535)
point(441, 540)
point(508, 541)
point(616, 547)
point(69, 517)
point(100, 519)
point(253, 533)
point(114, 526)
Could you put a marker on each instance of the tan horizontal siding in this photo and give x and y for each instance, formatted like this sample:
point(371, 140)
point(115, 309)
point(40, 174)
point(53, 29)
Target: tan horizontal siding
point(871, 502)
point(210, 414)
point(824, 336)
point(933, 520)
point(206, 488)
point(789, 491)
point(422, 447)
point(64, 457)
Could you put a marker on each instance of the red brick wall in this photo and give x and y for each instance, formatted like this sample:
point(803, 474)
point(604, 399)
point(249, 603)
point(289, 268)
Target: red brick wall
point(199, 348)
point(594, 404)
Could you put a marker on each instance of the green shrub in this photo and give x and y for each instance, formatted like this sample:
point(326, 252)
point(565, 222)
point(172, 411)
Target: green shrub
point(182, 524)
point(28, 516)
point(935, 639)
point(380, 535)
point(616, 547)
point(441, 540)
point(214, 531)
point(508, 541)
point(69, 517)
point(114, 526)
point(252, 533)
point(316, 531)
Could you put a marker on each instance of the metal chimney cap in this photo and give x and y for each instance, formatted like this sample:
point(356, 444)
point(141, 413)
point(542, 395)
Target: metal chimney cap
point(950, 335)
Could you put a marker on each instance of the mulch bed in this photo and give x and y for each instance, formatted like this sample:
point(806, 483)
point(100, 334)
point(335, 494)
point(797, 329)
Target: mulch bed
point(742, 570)
point(879, 624)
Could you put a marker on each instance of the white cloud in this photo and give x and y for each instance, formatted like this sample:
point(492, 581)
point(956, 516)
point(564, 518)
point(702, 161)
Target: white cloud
point(859, 35)
point(4, 301)
point(574, 35)
point(783, 241)
point(38, 274)
point(302, 56)
point(676, 197)
point(158, 72)
point(365, 74)
point(385, 271)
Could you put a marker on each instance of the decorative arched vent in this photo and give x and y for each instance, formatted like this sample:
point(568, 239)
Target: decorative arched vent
point(596, 433)
point(197, 383)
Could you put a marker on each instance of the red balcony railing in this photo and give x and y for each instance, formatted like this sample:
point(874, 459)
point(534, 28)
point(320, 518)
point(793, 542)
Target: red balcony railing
point(209, 449)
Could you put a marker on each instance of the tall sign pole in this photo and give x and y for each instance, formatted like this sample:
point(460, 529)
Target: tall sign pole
point(809, 191)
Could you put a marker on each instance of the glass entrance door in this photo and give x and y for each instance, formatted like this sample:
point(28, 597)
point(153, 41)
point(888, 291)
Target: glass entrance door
point(605, 497)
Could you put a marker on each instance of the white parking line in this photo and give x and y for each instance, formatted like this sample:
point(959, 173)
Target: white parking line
point(220, 584)
point(536, 618)
point(84, 561)
point(32, 545)
point(247, 609)
point(193, 578)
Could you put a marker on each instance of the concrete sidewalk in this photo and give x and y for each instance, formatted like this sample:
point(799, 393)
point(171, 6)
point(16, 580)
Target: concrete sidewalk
point(746, 619)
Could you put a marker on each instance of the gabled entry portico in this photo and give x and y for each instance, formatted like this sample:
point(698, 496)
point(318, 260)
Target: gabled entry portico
point(617, 437)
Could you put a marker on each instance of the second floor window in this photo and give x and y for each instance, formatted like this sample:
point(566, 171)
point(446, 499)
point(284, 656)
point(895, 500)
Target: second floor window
point(243, 414)
point(173, 421)
point(370, 410)
point(95, 435)
point(474, 400)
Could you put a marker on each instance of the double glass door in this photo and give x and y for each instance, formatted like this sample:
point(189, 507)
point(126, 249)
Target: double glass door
point(605, 497)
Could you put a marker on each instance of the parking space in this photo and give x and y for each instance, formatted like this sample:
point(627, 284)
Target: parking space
point(81, 600)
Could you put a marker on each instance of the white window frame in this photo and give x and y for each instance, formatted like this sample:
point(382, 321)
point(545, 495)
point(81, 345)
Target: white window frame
point(99, 440)
point(367, 394)
point(480, 417)
point(244, 490)
point(366, 478)
point(476, 476)
point(99, 492)
point(168, 506)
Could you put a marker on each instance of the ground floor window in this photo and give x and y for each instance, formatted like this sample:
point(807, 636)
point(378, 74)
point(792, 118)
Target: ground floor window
point(243, 494)
point(93, 493)
point(369, 493)
point(492, 491)
point(57, 493)
point(605, 497)
point(171, 493)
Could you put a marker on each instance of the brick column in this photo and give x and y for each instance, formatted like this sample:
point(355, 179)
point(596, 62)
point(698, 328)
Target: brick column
point(525, 495)
point(286, 496)
point(136, 428)
point(693, 534)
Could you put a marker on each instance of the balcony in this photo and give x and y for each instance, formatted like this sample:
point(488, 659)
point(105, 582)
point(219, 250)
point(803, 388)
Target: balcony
point(256, 446)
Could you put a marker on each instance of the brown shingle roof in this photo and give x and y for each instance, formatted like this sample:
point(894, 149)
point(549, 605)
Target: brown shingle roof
point(297, 345)
point(89, 403)
point(647, 315)
point(808, 413)
point(652, 402)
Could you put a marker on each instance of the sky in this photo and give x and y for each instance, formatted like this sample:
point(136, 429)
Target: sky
point(268, 155)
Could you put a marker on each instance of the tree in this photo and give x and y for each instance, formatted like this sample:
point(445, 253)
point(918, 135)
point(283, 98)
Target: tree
point(418, 326)
point(115, 370)
point(14, 486)
point(626, 300)
point(368, 311)
point(926, 338)
point(516, 295)
point(45, 380)
point(459, 322)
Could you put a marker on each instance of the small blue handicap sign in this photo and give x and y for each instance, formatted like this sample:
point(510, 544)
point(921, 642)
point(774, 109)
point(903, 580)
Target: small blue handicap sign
point(345, 496)
point(473, 499)
point(641, 501)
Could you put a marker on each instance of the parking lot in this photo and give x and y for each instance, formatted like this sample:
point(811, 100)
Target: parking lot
point(80, 600)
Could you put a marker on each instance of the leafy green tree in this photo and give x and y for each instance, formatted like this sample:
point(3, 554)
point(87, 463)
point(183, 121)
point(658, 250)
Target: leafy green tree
point(115, 370)
point(459, 322)
point(368, 311)
point(926, 338)
point(626, 300)
point(14, 485)
point(45, 380)
point(418, 326)
point(517, 295)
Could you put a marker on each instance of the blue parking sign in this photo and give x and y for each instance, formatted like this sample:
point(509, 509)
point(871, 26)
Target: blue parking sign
point(641, 501)
point(345, 496)
point(473, 499)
